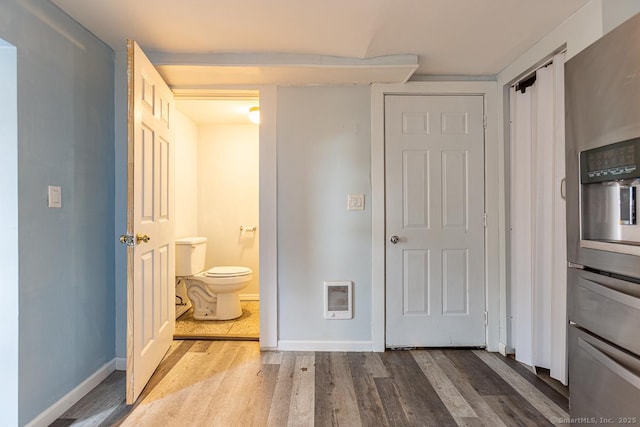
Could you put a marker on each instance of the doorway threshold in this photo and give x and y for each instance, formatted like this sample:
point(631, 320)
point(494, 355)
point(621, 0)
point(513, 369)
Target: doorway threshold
point(217, 337)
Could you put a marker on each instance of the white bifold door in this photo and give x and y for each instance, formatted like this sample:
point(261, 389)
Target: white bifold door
point(434, 171)
point(538, 257)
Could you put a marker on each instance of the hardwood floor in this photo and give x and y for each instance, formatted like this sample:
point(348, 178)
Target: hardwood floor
point(231, 383)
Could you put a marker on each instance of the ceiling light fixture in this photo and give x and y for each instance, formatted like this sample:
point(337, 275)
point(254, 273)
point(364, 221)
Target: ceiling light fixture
point(254, 114)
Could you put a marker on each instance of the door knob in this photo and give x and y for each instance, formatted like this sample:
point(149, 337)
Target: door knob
point(394, 239)
point(142, 238)
point(127, 239)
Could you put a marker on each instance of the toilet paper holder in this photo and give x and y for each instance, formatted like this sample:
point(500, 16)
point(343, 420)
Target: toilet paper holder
point(248, 228)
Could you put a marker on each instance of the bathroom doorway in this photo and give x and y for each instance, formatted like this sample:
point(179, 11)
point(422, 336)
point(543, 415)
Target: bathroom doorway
point(216, 181)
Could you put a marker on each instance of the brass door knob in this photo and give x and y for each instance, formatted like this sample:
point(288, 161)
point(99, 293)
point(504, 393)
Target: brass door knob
point(142, 238)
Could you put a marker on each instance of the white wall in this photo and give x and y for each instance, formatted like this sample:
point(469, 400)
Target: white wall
point(228, 196)
point(9, 232)
point(616, 12)
point(323, 154)
point(186, 176)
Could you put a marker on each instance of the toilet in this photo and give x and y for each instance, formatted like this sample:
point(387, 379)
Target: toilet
point(214, 293)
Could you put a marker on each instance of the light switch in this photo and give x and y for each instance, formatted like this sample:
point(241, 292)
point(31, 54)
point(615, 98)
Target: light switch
point(355, 202)
point(55, 196)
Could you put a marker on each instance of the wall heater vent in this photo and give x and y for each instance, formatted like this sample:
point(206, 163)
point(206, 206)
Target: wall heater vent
point(338, 300)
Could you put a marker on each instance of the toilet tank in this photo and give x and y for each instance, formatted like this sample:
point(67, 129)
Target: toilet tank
point(190, 255)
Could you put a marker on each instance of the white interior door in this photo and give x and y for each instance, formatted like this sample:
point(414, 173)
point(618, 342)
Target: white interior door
point(150, 264)
point(434, 171)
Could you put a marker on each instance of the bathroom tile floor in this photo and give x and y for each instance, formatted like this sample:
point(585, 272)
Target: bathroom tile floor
point(246, 327)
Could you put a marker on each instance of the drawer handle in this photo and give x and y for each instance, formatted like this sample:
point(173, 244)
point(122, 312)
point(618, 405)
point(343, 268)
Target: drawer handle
point(609, 363)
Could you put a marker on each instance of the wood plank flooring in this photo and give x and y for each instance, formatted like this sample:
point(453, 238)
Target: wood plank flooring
point(232, 383)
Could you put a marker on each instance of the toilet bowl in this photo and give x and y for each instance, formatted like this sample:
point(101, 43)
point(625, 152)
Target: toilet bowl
point(214, 293)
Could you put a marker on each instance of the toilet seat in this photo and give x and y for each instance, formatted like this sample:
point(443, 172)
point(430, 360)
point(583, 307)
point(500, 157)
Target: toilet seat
point(228, 271)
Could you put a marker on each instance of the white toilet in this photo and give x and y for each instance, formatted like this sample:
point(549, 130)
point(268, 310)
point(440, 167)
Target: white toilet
point(215, 293)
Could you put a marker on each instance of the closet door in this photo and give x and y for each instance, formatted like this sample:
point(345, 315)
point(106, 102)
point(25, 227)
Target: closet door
point(538, 242)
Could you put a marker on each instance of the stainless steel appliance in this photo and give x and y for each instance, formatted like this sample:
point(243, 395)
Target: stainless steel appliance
point(602, 95)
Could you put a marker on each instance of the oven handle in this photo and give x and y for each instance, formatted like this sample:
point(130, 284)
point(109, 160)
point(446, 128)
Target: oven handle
point(609, 363)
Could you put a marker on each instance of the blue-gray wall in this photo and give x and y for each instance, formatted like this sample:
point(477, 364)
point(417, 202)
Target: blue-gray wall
point(324, 153)
point(120, 212)
point(66, 259)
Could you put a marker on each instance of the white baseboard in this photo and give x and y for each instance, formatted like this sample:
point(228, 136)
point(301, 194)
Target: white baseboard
point(268, 348)
point(121, 363)
point(506, 350)
point(325, 345)
point(249, 297)
point(68, 400)
point(502, 348)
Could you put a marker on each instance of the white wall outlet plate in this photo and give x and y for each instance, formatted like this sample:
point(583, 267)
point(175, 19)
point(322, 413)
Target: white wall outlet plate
point(355, 202)
point(55, 196)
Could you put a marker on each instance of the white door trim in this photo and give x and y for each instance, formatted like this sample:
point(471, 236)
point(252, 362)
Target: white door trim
point(494, 199)
point(9, 246)
point(268, 219)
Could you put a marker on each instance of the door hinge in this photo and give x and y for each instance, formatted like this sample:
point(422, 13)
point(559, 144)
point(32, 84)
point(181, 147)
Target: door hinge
point(484, 121)
point(484, 219)
point(486, 318)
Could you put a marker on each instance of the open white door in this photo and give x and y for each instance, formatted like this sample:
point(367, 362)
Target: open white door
point(150, 222)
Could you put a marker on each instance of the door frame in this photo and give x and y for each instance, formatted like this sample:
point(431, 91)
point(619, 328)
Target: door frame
point(268, 220)
point(267, 206)
point(494, 199)
point(9, 247)
point(267, 202)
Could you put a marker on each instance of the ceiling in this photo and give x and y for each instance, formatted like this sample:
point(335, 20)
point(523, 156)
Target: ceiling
point(300, 42)
point(217, 111)
point(243, 43)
